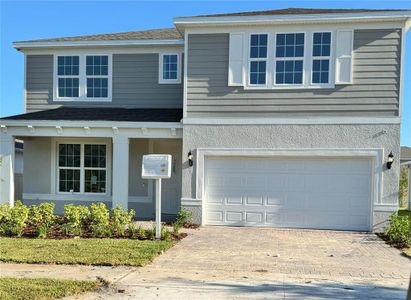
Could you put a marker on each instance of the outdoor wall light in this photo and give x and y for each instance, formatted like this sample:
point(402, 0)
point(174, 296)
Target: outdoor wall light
point(390, 160)
point(190, 158)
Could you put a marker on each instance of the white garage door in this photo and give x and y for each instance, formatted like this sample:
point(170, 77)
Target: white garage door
point(321, 193)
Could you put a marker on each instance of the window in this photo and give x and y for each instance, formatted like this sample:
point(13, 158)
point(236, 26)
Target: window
point(69, 168)
point(68, 76)
point(289, 56)
point(169, 71)
point(321, 57)
point(97, 76)
point(258, 59)
point(82, 78)
point(82, 168)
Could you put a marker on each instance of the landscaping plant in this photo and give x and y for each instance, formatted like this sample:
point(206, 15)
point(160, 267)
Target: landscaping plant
point(399, 230)
point(184, 217)
point(13, 219)
point(75, 218)
point(41, 218)
point(99, 220)
point(120, 220)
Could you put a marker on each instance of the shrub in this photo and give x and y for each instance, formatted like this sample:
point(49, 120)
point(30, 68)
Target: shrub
point(99, 220)
point(41, 218)
point(403, 187)
point(13, 219)
point(75, 218)
point(120, 220)
point(184, 217)
point(139, 233)
point(165, 233)
point(399, 230)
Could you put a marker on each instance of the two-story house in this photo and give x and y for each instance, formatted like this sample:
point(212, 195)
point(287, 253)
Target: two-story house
point(281, 118)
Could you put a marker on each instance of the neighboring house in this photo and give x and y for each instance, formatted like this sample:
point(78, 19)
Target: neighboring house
point(289, 115)
point(405, 162)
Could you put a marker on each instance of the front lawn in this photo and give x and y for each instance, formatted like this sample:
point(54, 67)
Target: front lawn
point(107, 252)
point(44, 289)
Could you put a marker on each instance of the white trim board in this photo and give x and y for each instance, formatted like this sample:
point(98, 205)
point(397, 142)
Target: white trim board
point(291, 121)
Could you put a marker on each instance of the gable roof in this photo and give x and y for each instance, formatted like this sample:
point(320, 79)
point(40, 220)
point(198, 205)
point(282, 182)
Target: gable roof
point(297, 11)
point(153, 34)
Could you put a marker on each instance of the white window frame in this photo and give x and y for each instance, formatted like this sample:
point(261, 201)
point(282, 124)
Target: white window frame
point(322, 57)
point(67, 76)
point(82, 168)
point(249, 60)
point(276, 59)
point(161, 80)
point(271, 63)
point(83, 78)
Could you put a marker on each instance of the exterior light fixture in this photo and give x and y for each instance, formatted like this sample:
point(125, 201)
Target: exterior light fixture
point(190, 158)
point(390, 160)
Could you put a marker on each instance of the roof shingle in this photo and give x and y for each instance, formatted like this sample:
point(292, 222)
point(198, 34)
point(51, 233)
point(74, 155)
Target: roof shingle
point(65, 113)
point(153, 34)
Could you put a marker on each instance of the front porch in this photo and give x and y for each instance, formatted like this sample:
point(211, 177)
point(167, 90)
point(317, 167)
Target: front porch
point(82, 162)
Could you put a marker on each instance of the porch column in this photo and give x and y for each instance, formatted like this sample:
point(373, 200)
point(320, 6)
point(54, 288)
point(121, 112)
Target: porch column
point(120, 171)
point(7, 170)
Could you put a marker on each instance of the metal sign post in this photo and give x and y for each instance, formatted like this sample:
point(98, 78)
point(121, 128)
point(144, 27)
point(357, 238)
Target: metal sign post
point(157, 166)
point(158, 209)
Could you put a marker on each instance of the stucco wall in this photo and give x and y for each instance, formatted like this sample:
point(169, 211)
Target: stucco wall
point(384, 137)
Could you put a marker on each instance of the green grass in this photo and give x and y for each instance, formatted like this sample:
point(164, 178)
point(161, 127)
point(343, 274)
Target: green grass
point(36, 289)
point(108, 252)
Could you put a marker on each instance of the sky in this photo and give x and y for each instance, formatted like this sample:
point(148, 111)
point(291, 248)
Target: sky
point(25, 20)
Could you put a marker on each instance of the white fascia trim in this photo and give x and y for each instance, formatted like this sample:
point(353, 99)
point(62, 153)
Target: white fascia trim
point(291, 121)
point(22, 45)
point(91, 124)
point(315, 18)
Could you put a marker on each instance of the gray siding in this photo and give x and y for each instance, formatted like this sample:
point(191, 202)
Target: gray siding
point(375, 90)
point(135, 84)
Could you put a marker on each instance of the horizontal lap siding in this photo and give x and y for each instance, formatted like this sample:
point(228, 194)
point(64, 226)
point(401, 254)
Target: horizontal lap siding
point(135, 84)
point(375, 90)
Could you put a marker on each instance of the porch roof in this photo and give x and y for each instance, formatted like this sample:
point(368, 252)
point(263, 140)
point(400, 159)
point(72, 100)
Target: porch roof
point(65, 113)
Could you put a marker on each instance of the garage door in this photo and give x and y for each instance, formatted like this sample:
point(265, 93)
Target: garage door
point(321, 193)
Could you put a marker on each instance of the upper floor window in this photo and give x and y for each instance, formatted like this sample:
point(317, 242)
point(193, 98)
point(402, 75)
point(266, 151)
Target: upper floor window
point(169, 68)
point(258, 59)
point(289, 56)
point(321, 57)
point(97, 76)
point(82, 78)
point(68, 76)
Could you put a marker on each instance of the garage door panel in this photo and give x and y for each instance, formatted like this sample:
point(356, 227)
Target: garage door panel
point(305, 192)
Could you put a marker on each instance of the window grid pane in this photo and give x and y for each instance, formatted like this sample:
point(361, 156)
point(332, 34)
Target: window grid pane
point(68, 65)
point(94, 156)
point(69, 167)
point(287, 69)
point(97, 65)
point(321, 49)
point(258, 57)
point(170, 66)
point(95, 181)
point(68, 87)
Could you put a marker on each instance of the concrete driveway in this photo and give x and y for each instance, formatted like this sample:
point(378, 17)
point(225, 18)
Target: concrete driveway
point(255, 263)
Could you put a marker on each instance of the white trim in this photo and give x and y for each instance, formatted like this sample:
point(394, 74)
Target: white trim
point(402, 68)
point(161, 80)
point(82, 77)
point(185, 74)
point(301, 18)
point(28, 44)
point(299, 121)
point(190, 202)
point(91, 124)
point(66, 197)
point(375, 154)
point(25, 84)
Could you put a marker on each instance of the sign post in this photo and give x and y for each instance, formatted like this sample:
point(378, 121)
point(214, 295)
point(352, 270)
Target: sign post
point(157, 166)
